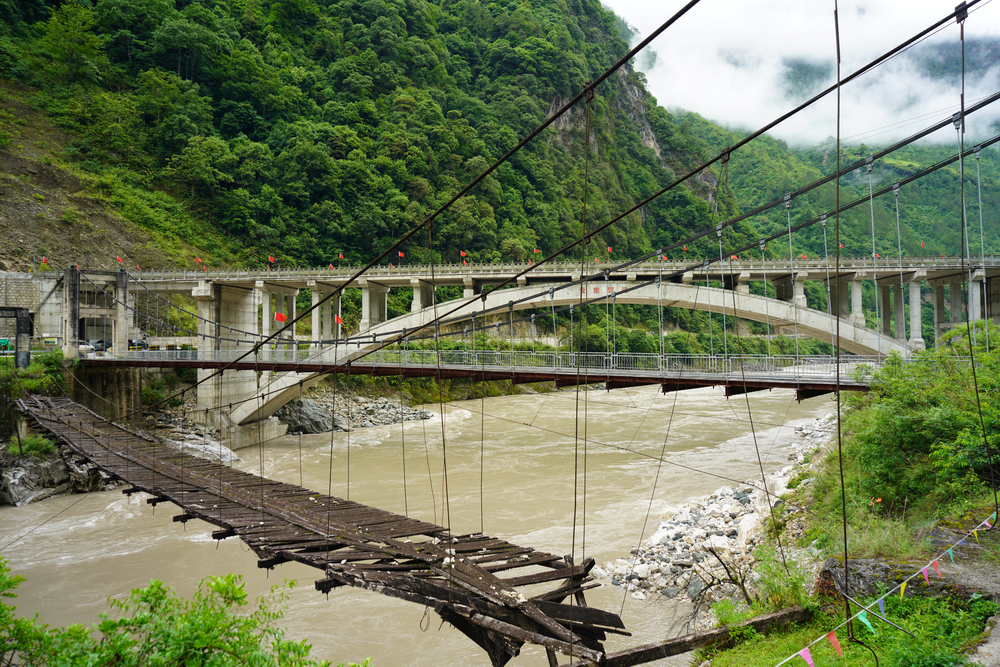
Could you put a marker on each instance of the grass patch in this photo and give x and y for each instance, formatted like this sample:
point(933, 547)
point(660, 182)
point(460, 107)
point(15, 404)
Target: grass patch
point(943, 629)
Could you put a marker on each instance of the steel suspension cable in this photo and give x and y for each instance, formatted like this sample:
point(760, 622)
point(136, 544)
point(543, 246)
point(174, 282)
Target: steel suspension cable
point(982, 249)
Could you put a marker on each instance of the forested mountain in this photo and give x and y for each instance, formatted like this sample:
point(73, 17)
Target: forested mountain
point(306, 129)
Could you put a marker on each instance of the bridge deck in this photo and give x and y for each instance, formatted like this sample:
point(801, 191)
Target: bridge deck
point(353, 544)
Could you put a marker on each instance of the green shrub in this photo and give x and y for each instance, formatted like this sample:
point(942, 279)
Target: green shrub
point(34, 445)
point(151, 396)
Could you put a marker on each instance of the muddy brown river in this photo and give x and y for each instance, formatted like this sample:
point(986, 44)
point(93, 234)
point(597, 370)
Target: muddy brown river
point(77, 551)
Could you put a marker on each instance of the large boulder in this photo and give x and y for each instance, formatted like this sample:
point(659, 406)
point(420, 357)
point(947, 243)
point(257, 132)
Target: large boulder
point(27, 479)
point(305, 416)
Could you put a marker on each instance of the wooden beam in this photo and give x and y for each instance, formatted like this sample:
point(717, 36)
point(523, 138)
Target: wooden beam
point(640, 655)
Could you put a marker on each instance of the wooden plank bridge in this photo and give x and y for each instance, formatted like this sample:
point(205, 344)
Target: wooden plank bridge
point(459, 576)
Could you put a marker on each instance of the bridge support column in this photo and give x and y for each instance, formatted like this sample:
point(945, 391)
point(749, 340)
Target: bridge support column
point(791, 289)
point(324, 325)
point(208, 391)
point(938, 314)
point(423, 295)
point(993, 299)
point(857, 304)
point(122, 318)
point(885, 318)
point(374, 299)
point(976, 296)
point(472, 288)
point(840, 296)
point(916, 341)
point(899, 312)
point(71, 313)
point(955, 302)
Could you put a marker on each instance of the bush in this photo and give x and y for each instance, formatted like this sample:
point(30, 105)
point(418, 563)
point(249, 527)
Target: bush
point(34, 445)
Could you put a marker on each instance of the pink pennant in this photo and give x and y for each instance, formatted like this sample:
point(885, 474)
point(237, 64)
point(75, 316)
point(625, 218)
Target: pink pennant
point(923, 571)
point(832, 638)
point(807, 656)
point(986, 521)
point(934, 564)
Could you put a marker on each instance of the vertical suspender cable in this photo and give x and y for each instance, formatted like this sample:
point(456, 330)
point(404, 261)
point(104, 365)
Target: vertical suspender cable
point(878, 312)
point(791, 271)
point(722, 283)
point(840, 452)
point(708, 306)
point(829, 291)
point(767, 308)
point(982, 249)
point(659, 308)
point(899, 249)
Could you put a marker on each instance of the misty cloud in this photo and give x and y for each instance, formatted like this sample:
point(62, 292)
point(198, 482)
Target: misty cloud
point(743, 63)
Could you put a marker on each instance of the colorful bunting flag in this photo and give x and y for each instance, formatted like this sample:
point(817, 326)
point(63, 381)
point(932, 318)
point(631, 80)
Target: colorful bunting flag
point(881, 605)
point(934, 564)
point(902, 589)
point(832, 638)
point(863, 617)
point(986, 521)
point(975, 534)
point(807, 656)
point(280, 317)
point(951, 555)
point(923, 571)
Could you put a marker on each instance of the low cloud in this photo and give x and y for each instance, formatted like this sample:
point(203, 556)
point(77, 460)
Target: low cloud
point(743, 63)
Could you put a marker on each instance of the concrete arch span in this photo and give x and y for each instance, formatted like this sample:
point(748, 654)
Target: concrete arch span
point(817, 324)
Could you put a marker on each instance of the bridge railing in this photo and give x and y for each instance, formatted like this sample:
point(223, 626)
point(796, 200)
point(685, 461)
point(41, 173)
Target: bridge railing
point(596, 364)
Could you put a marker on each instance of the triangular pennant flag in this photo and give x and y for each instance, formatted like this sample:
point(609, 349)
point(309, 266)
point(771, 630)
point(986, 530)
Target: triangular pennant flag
point(529, 261)
point(921, 244)
point(962, 542)
point(994, 517)
point(881, 605)
point(280, 317)
point(975, 534)
point(462, 253)
point(685, 248)
point(927, 579)
point(902, 589)
point(986, 521)
point(832, 638)
point(44, 260)
point(391, 266)
point(339, 321)
point(863, 617)
point(951, 555)
point(341, 256)
point(937, 569)
point(807, 656)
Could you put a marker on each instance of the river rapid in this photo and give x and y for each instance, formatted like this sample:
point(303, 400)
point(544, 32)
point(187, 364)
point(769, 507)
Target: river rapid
point(76, 551)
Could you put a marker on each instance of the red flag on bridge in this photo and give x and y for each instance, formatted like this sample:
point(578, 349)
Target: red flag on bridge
point(685, 248)
point(734, 257)
point(341, 256)
point(921, 244)
point(197, 260)
point(119, 259)
point(401, 254)
point(804, 257)
point(339, 321)
point(530, 262)
point(391, 266)
point(609, 248)
point(464, 262)
point(664, 257)
point(537, 251)
point(280, 317)
point(462, 253)
point(138, 267)
point(45, 261)
point(331, 267)
point(271, 259)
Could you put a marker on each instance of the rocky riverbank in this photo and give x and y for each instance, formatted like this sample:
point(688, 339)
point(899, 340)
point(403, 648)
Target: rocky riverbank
point(686, 553)
point(327, 411)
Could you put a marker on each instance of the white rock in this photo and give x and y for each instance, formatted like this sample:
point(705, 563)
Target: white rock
point(749, 527)
point(719, 544)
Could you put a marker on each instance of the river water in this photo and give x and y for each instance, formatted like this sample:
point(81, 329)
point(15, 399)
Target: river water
point(76, 551)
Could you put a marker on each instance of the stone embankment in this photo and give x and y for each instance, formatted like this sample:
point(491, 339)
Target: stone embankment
point(683, 555)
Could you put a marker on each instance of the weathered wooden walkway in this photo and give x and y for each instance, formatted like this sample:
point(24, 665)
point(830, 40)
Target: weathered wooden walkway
point(353, 544)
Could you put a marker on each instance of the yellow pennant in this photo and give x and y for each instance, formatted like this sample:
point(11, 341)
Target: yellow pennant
point(902, 589)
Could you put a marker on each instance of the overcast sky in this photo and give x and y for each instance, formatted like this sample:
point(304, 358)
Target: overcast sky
point(726, 60)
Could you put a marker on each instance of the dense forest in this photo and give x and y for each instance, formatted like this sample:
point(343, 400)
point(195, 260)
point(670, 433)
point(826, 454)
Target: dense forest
point(308, 130)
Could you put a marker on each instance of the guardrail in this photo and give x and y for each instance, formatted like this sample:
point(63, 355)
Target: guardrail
point(787, 367)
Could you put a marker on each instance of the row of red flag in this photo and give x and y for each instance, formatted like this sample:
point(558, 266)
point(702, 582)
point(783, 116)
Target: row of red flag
point(281, 317)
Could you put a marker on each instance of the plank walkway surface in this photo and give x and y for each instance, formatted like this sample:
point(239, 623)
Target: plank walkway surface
point(459, 576)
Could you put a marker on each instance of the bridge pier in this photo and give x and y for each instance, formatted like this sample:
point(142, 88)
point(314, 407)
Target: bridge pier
point(916, 341)
point(423, 295)
point(374, 306)
point(792, 289)
point(992, 294)
point(324, 322)
point(472, 287)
